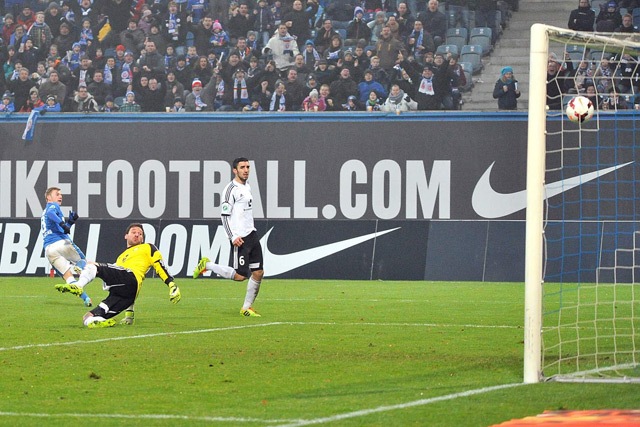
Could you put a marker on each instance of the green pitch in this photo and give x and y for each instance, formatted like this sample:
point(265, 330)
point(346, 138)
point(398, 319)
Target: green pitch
point(323, 352)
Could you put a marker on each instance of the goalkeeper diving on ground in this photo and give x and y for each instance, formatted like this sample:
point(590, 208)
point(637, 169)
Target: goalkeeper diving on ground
point(123, 280)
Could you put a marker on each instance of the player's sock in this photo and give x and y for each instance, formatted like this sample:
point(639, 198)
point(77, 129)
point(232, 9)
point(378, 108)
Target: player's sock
point(221, 270)
point(253, 287)
point(88, 274)
point(70, 280)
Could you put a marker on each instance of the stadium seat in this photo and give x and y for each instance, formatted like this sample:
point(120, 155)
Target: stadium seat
point(457, 36)
point(342, 33)
point(636, 16)
point(468, 71)
point(109, 52)
point(447, 48)
point(482, 36)
point(576, 53)
point(597, 5)
point(119, 101)
point(472, 54)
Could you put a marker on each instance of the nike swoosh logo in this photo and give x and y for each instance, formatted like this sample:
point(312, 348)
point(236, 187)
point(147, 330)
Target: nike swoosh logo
point(488, 203)
point(277, 264)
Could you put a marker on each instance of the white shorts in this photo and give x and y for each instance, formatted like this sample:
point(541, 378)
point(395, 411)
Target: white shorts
point(62, 255)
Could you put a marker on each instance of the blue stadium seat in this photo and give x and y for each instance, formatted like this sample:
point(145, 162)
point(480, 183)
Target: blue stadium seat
point(482, 36)
point(342, 33)
point(119, 101)
point(468, 72)
point(636, 16)
point(472, 54)
point(447, 48)
point(576, 53)
point(457, 36)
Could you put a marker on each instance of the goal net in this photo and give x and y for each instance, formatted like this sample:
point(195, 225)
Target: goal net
point(582, 307)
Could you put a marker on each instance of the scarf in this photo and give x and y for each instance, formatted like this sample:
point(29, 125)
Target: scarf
point(108, 76)
point(397, 99)
point(418, 39)
point(281, 106)
point(240, 93)
point(426, 87)
point(126, 75)
point(308, 56)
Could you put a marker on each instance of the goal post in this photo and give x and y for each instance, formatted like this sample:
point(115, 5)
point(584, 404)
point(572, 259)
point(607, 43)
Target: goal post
point(582, 255)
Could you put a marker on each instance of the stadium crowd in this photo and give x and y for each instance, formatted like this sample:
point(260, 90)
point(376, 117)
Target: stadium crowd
point(224, 55)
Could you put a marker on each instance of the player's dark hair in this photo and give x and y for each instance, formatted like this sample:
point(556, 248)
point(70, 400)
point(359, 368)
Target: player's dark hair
point(238, 160)
point(136, 224)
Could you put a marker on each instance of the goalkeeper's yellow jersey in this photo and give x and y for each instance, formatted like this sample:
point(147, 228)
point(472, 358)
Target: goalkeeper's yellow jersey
point(140, 258)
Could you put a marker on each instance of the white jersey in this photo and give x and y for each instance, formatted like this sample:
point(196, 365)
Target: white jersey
point(236, 211)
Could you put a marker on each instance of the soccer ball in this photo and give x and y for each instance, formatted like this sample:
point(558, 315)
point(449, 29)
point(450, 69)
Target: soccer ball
point(579, 109)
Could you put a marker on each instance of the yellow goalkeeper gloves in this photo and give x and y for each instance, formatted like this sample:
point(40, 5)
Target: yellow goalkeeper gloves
point(174, 293)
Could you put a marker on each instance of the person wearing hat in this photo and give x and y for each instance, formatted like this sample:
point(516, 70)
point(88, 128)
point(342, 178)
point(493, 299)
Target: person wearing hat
point(53, 19)
point(51, 105)
point(609, 18)
point(313, 102)
point(8, 28)
point(195, 100)
point(583, 18)
point(366, 86)
point(310, 55)
point(33, 103)
point(109, 105)
point(506, 90)
point(178, 105)
point(26, 18)
point(7, 104)
point(65, 38)
point(132, 38)
point(358, 28)
point(130, 105)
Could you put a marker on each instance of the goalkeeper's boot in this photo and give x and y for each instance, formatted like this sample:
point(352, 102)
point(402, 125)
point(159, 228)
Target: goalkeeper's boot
point(201, 267)
point(69, 287)
point(249, 312)
point(101, 324)
point(128, 318)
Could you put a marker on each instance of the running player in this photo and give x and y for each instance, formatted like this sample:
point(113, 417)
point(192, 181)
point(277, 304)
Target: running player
point(246, 252)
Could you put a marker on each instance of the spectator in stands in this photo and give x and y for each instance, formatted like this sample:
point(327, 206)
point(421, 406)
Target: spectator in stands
point(379, 74)
point(297, 21)
point(344, 87)
point(295, 91)
point(241, 22)
point(20, 88)
point(278, 101)
point(83, 101)
point(8, 28)
point(152, 63)
point(405, 20)
point(263, 22)
point(506, 90)
point(609, 18)
point(323, 73)
point(7, 105)
point(603, 76)
point(26, 17)
point(130, 105)
point(376, 24)
point(64, 74)
point(313, 102)
point(310, 55)
point(65, 39)
point(324, 35)
point(28, 54)
point(628, 4)
point(33, 102)
point(18, 38)
point(351, 104)
point(174, 25)
point(360, 58)
point(486, 17)
point(119, 13)
point(325, 94)
point(373, 103)
point(627, 25)
point(434, 22)
point(368, 85)
point(153, 97)
point(613, 101)
point(98, 88)
point(357, 28)
point(41, 35)
point(340, 12)
point(202, 70)
point(202, 34)
point(393, 25)
point(301, 68)
point(458, 13)
point(53, 87)
point(582, 77)
point(556, 80)
point(173, 89)
point(448, 80)
point(83, 74)
point(419, 42)
point(629, 78)
point(52, 105)
point(398, 100)
point(132, 38)
point(240, 92)
point(219, 39)
point(334, 53)
point(282, 48)
point(194, 100)
point(53, 18)
point(430, 88)
point(583, 18)
point(389, 48)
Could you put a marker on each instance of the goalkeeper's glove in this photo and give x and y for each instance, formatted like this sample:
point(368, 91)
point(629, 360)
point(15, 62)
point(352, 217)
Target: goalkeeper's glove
point(73, 217)
point(65, 227)
point(174, 293)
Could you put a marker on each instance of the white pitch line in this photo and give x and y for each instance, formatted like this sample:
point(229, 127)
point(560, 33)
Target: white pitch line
point(147, 417)
point(230, 328)
point(421, 402)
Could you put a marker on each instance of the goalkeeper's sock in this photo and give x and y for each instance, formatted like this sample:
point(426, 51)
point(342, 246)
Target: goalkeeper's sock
point(253, 287)
point(221, 270)
point(128, 318)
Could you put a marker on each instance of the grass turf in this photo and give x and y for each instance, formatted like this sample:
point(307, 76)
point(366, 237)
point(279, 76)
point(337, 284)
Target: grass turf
point(343, 353)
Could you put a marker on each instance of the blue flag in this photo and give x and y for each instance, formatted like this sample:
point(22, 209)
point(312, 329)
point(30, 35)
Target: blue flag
point(31, 125)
